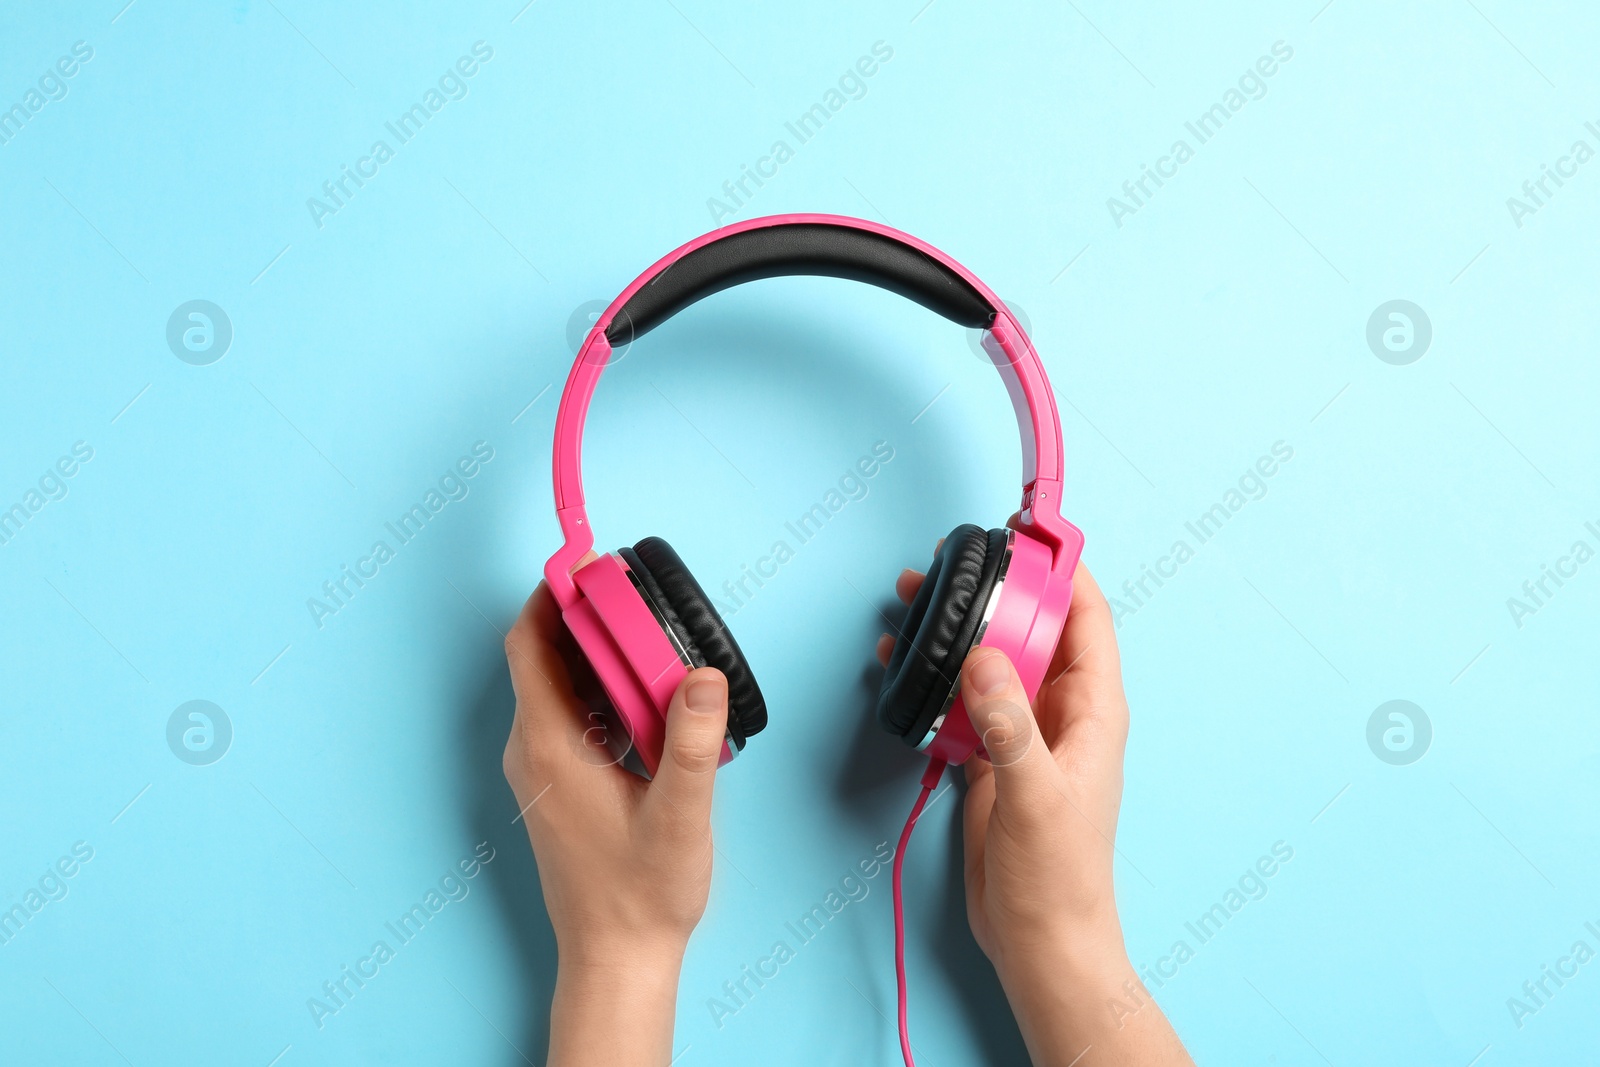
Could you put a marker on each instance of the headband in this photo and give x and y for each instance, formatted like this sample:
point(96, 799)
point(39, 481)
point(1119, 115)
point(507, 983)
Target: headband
point(833, 246)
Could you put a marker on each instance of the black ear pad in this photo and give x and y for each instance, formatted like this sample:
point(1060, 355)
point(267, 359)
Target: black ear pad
point(699, 629)
point(939, 630)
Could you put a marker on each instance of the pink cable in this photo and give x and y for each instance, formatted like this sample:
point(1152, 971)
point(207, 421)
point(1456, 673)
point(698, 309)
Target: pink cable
point(930, 778)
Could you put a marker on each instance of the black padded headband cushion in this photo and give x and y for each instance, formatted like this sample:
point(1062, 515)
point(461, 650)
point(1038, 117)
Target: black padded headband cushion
point(698, 627)
point(939, 630)
point(786, 249)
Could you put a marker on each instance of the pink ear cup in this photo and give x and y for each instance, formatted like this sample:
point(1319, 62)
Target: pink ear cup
point(1026, 626)
point(633, 659)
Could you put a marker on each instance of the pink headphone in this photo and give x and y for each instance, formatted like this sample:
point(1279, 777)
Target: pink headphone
point(642, 620)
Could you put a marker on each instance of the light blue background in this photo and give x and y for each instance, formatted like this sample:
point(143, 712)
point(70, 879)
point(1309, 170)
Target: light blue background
point(1227, 314)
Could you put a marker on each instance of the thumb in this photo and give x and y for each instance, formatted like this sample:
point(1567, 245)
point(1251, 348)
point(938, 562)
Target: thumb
point(697, 721)
point(997, 704)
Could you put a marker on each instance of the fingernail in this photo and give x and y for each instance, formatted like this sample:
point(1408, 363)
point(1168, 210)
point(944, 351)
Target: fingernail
point(706, 696)
point(990, 674)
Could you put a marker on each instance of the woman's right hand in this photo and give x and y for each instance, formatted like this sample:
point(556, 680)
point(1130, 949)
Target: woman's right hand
point(1039, 827)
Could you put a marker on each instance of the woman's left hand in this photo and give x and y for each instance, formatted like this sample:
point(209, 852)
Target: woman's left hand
point(625, 864)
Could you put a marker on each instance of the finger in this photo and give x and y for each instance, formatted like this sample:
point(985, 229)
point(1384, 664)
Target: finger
point(975, 814)
point(1082, 707)
point(549, 715)
point(531, 645)
point(885, 646)
point(697, 721)
point(1089, 641)
point(997, 704)
point(906, 586)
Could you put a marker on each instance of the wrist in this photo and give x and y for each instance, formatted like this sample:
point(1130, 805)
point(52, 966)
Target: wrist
point(624, 983)
point(1060, 971)
point(600, 985)
point(1066, 949)
point(605, 958)
point(1049, 963)
point(1070, 993)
